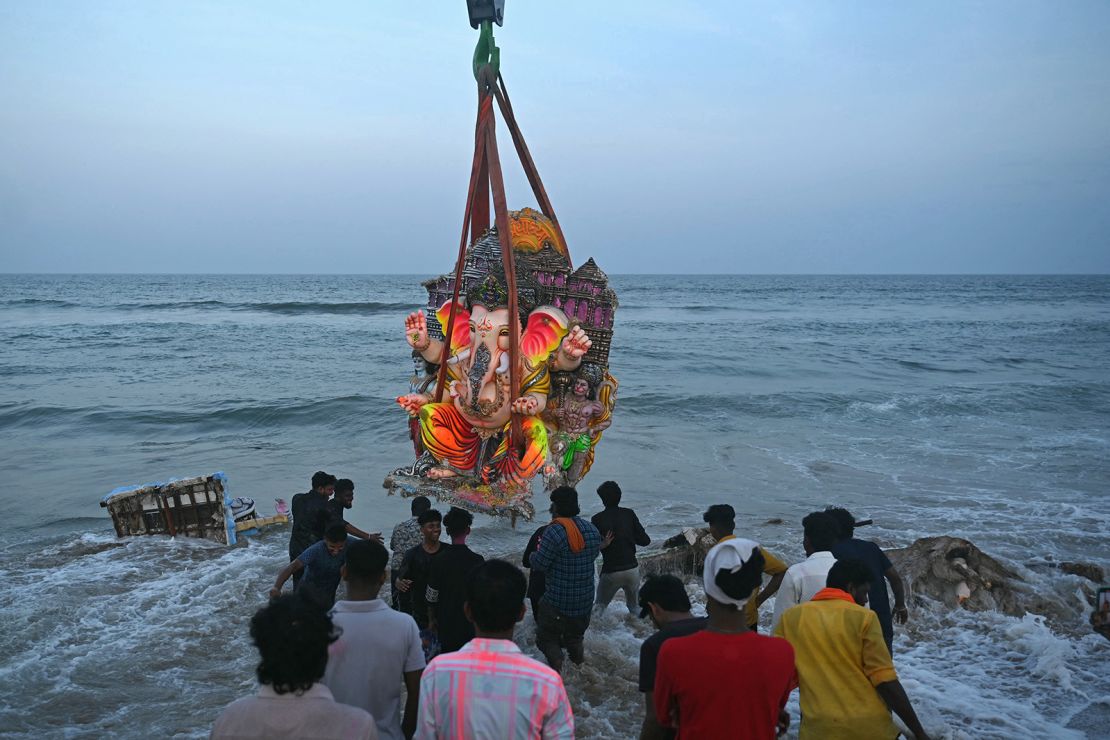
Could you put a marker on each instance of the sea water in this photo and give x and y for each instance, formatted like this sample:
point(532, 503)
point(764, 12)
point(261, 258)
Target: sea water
point(973, 406)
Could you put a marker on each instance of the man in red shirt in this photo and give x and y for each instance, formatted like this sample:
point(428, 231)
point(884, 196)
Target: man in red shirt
point(727, 680)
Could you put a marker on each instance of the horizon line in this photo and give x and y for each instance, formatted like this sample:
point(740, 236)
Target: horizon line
point(623, 274)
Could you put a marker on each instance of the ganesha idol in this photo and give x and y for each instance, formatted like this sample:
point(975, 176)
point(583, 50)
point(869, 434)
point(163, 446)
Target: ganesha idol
point(468, 434)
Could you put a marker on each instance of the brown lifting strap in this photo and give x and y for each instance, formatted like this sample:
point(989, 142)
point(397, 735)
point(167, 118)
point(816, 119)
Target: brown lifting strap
point(486, 179)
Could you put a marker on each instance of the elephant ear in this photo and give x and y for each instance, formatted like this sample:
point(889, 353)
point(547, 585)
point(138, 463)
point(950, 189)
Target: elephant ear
point(547, 326)
point(460, 337)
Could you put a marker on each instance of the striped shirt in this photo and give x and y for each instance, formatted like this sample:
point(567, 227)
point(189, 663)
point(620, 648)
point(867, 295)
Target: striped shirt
point(490, 690)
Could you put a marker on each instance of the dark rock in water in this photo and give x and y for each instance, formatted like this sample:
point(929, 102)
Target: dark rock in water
point(956, 573)
point(1090, 571)
point(1093, 720)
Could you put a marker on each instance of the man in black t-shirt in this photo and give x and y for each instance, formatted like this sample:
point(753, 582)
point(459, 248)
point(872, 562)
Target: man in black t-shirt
point(447, 582)
point(344, 499)
point(621, 532)
point(412, 578)
point(310, 517)
point(664, 599)
point(881, 568)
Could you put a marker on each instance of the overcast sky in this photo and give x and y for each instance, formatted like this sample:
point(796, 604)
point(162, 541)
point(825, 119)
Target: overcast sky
point(747, 137)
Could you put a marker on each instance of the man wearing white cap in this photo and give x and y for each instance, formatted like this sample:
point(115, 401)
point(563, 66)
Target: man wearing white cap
point(727, 680)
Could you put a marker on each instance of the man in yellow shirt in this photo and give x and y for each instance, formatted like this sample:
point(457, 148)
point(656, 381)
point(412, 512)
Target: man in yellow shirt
point(721, 519)
point(847, 679)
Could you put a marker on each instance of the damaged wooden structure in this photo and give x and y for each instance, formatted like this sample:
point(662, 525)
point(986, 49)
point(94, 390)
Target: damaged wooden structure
point(197, 507)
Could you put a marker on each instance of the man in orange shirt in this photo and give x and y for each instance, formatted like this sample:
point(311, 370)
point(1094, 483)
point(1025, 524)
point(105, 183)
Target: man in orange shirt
point(847, 679)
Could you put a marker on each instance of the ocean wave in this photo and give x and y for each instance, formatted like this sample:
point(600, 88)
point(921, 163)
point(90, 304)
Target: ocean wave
point(234, 415)
point(933, 368)
point(284, 308)
point(38, 302)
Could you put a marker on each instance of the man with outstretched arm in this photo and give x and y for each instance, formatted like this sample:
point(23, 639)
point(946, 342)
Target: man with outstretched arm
point(343, 500)
point(621, 533)
point(847, 679)
point(882, 572)
point(321, 565)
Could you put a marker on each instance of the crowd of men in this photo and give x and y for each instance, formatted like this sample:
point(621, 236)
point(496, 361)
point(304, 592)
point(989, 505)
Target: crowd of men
point(440, 661)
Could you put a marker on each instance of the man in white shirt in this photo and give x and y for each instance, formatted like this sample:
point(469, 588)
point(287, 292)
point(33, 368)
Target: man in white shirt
point(377, 649)
point(804, 579)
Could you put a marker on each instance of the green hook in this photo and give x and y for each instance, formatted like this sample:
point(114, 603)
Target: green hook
point(486, 52)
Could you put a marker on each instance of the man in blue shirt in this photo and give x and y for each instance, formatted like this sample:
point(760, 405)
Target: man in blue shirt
point(321, 564)
point(882, 570)
point(566, 556)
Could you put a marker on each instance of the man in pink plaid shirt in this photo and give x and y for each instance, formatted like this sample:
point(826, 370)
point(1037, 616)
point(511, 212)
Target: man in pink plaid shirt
point(490, 689)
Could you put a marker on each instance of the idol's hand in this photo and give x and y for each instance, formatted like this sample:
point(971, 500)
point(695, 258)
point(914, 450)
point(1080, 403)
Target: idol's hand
point(412, 402)
point(416, 330)
point(527, 405)
point(576, 344)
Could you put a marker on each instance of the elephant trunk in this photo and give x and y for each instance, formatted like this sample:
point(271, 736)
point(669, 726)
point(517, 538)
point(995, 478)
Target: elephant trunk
point(480, 373)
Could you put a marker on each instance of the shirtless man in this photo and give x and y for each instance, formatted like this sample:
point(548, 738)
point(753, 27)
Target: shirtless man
point(575, 435)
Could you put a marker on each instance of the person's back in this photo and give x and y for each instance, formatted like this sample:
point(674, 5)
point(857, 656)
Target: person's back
point(848, 683)
point(313, 714)
point(377, 646)
point(725, 680)
point(446, 589)
point(663, 598)
point(566, 554)
point(477, 685)
point(310, 513)
point(841, 659)
point(621, 532)
point(805, 579)
point(490, 690)
point(726, 685)
point(882, 571)
point(569, 572)
point(292, 635)
point(871, 555)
